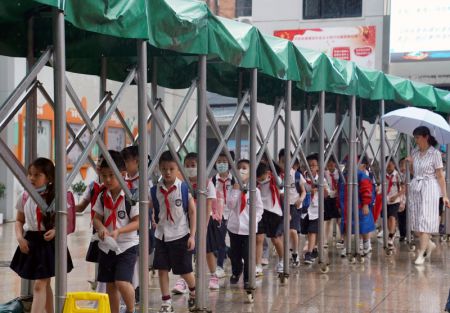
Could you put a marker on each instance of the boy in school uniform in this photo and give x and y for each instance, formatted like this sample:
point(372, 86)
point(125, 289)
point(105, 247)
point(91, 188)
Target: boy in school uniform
point(332, 211)
point(394, 193)
point(115, 217)
point(310, 216)
point(297, 194)
point(271, 224)
point(174, 215)
point(239, 222)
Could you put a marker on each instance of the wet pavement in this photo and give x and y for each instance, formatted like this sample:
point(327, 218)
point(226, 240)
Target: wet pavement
point(382, 284)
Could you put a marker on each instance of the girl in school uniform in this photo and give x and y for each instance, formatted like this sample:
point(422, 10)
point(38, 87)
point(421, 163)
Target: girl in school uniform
point(34, 259)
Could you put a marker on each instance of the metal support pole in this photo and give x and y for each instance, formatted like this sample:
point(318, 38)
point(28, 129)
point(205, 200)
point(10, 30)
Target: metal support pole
point(31, 108)
point(154, 92)
point(275, 129)
point(354, 142)
point(321, 177)
point(408, 182)
point(143, 175)
point(350, 176)
point(309, 132)
point(447, 181)
point(252, 189)
point(237, 132)
point(59, 69)
point(287, 168)
point(383, 175)
point(103, 86)
point(338, 119)
point(201, 286)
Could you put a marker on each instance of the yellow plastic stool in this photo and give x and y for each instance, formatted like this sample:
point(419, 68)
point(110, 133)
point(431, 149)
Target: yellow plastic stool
point(70, 306)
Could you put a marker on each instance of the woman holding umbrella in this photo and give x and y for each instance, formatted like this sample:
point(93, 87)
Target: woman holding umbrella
point(425, 189)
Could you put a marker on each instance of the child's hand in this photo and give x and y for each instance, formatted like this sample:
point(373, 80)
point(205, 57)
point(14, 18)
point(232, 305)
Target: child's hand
point(23, 245)
point(365, 209)
point(191, 243)
point(115, 234)
point(298, 203)
point(102, 233)
point(49, 234)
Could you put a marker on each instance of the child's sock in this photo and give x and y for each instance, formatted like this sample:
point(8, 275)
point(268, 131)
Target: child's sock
point(192, 292)
point(167, 299)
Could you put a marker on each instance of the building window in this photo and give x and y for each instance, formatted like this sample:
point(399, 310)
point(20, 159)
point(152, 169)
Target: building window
point(243, 8)
point(317, 9)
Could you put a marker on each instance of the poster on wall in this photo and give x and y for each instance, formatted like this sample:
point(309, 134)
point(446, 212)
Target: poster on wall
point(420, 30)
point(76, 151)
point(116, 138)
point(355, 44)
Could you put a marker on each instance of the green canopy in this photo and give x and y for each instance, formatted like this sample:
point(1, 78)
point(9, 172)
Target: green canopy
point(179, 30)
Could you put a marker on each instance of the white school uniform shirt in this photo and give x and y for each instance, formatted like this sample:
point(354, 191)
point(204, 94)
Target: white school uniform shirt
point(239, 223)
point(266, 197)
point(220, 194)
point(124, 240)
point(313, 210)
point(167, 230)
point(333, 190)
point(210, 192)
point(396, 181)
point(133, 185)
point(293, 194)
point(88, 192)
point(29, 209)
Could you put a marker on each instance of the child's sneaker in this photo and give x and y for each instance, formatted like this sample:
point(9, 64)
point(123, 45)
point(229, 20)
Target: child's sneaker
point(367, 247)
point(280, 267)
point(166, 307)
point(191, 303)
point(441, 229)
point(220, 272)
point(180, 287)
point(380, 233)
point(390, 242)
point(259, 271)
point(343, 252)
point(234, 279)
point(214, 282)
point(314, 254)
point(308, 258)
point(264, 261)
point(340, 244)
point(294, 259)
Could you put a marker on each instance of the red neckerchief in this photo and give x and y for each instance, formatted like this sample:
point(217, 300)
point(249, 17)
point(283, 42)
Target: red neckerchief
point(243, 202)
point(39, 214)
point(274, 191)
point(98, 188)
point(333, 181)
point(166, 200)
point(110, 205)
point(390, 182)
point(224, 188)
point(130, 182)
point(309, 182)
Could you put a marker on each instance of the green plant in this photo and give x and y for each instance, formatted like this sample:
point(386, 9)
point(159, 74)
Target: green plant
point(79, 188)
point(2, 190)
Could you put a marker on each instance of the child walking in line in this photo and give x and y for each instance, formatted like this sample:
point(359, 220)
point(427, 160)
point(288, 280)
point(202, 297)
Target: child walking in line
point(393, 198)
point(271, 224)
point(34, 259)
point(332, 214)
point(174, 215)
point(116, 220)
point(238, 224)
point(310, 216)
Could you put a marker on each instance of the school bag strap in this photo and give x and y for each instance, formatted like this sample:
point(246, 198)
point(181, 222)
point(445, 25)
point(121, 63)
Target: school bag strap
point(184, 199)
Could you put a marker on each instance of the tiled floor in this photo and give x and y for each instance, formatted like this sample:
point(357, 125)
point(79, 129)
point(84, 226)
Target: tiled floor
point(382, 284)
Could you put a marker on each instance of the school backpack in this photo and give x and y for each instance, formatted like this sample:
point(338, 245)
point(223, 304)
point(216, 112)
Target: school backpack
point(71, 211)
point(184, 200)
point(307, 201)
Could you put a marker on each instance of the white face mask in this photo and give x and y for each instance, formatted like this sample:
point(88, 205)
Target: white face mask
point(222, 167)
point(265, 181)
point(191, 171)
point(243, 173)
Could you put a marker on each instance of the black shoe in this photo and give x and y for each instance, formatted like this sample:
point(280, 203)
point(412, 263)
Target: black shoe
point(315, 254)
point(191, 304)
point(246, 285)
point(234, 279)
point(136, 295)
point(308, 258)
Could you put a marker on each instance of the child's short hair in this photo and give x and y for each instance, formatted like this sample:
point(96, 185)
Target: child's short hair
point(280, 153)
point(262, 169)
point(313, 157)
point(130, 153)
point(191, 156)
point(389, 159)
point(243, 161)
point(332, 159)
point(364, 160)
point(117, 158)
point(166, 156)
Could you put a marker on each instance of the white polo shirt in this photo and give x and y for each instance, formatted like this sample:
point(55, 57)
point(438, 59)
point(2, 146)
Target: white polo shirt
point(124, 240)
point(266, 197)
point(27, 206)
point(332, 177)
point(395, 180)
point(133, 185)
point(220, 194)
point(293, 194)
point(166, 229)
point(313, 210)
point(239, 222)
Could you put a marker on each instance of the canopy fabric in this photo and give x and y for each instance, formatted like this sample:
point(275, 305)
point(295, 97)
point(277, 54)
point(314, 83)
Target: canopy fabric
point(179, 30)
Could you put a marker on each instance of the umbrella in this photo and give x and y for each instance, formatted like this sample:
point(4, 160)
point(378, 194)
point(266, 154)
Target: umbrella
point(407, 119)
